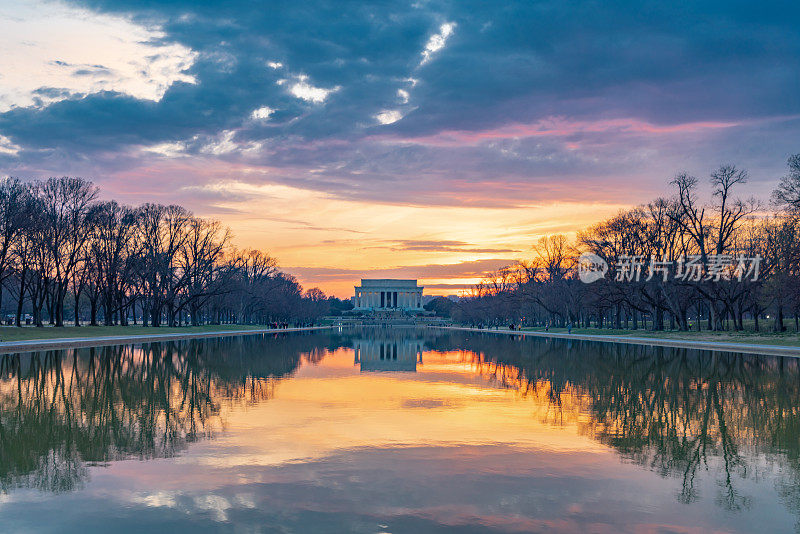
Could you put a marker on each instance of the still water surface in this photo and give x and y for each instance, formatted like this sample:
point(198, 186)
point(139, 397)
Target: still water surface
point(398, 430)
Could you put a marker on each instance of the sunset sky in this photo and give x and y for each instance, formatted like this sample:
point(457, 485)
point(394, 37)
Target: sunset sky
point(430, 140)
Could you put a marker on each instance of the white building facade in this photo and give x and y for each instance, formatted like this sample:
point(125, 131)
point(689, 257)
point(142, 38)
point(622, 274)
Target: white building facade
point(388, 294)
point(386, 354)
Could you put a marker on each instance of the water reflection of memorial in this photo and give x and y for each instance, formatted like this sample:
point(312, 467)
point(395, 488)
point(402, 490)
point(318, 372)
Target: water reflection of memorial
point(681, 413)
point(388, 352)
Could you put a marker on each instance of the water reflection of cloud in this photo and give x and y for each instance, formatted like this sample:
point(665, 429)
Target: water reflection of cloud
point(489, 488)
point(492, 433)
point(426, 403)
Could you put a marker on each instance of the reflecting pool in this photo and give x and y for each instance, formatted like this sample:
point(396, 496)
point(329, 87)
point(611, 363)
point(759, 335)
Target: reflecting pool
point(398, 430)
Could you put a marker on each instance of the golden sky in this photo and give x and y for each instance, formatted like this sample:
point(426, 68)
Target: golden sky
point(331, 243)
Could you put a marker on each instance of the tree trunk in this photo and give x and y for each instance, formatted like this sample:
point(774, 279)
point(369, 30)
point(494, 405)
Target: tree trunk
point(50, 305)
point(60, 307)
point(658, 319)
point(38, 304)
point(93, 311)
point(779, 327)
point(77, 308)
point(21, 300)
point(123, 312)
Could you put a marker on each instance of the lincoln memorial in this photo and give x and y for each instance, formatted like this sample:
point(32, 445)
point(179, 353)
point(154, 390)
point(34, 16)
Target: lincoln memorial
point(386, 352)
point(387, 294)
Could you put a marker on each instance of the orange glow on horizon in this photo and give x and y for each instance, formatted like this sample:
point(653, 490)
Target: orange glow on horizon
point(331, 242)
point(467, 408)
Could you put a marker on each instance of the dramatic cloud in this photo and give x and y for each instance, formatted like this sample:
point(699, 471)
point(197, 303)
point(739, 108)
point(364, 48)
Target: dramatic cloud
point(302, 89)
point(437, 41)
point(518, 106)
point(53, 51)
point(389, 116)
point(7, 147)
point(262, 113)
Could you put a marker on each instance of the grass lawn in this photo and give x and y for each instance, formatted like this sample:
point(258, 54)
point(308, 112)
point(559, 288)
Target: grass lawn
point(13, 333)
point(789, 338)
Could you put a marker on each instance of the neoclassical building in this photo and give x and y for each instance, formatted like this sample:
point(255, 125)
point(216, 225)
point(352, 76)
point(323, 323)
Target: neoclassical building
point(388, 294)
point(384, 353)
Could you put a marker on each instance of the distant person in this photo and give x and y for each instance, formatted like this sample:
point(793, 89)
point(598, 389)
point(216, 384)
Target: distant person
point(569, 328)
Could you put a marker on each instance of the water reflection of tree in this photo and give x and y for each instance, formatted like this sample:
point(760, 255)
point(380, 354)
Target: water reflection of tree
point(675, 411)
point(62, 410)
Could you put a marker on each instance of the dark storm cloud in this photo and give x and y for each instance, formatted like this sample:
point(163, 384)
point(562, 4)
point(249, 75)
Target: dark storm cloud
point(661, 64)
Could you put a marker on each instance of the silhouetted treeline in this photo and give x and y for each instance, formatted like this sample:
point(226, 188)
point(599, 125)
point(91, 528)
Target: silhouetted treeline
point(744, 258)
point(62, 250)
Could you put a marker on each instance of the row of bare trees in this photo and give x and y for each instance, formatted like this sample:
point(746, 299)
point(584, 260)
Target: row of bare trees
point(745, 255)
point(62, 249)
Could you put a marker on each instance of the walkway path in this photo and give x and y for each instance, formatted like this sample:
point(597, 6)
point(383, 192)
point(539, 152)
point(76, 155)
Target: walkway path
point(32, 345)
point(725, 346)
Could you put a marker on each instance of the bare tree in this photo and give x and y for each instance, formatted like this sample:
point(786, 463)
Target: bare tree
point(787, 195)
point(66, 203)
